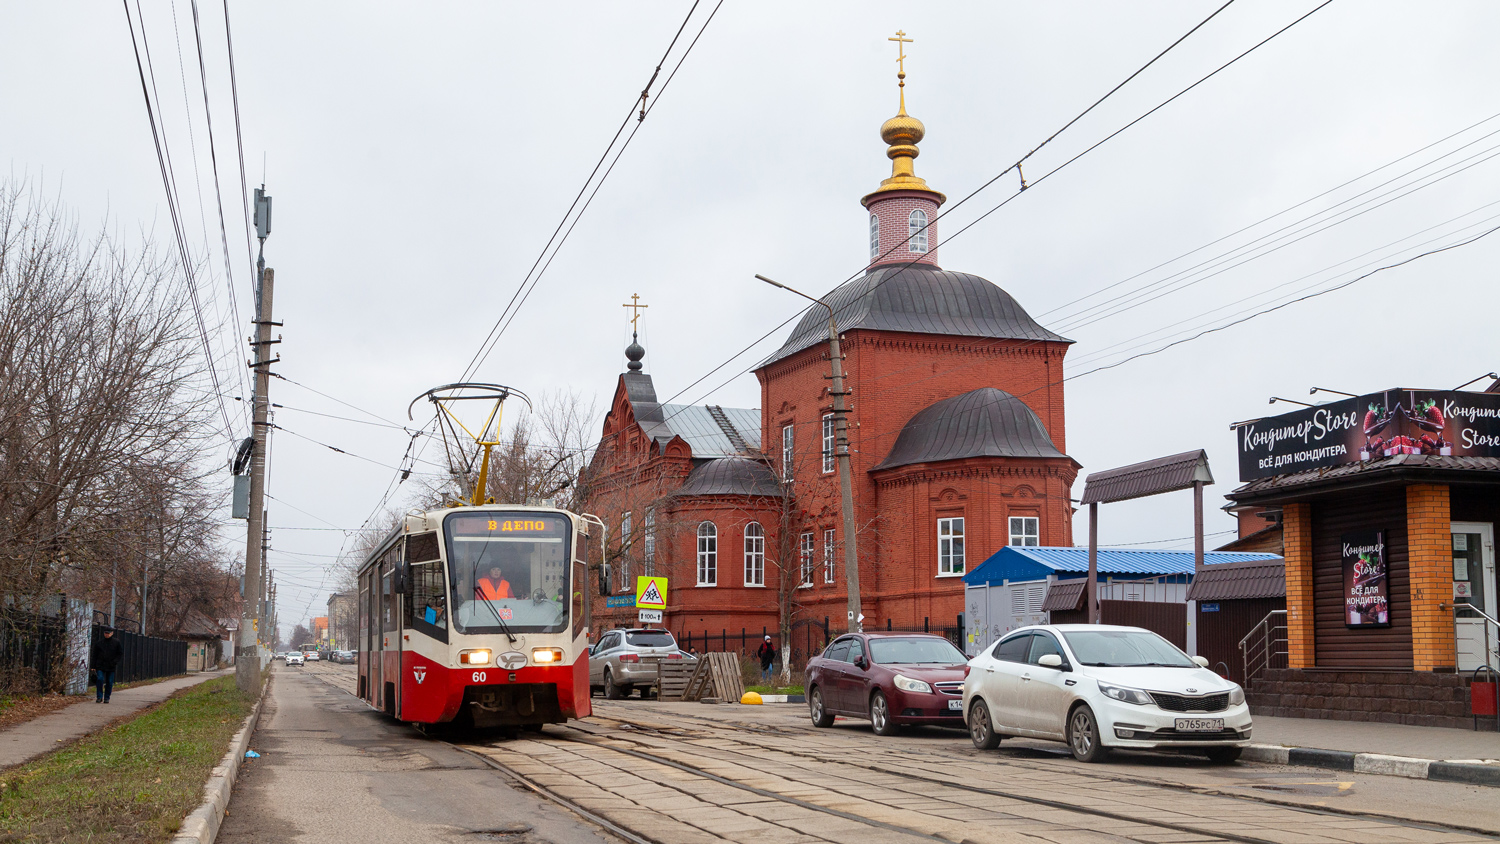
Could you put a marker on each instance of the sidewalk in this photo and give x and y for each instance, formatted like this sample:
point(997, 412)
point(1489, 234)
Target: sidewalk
point(31, 739)
point(1396, 749)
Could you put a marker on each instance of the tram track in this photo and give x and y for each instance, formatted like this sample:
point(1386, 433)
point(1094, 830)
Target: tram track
point(1207, 791)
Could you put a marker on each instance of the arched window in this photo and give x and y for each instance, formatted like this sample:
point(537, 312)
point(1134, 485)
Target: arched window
point(755, 555)
point(917, 226)
point(874, 237)
point(708, 554)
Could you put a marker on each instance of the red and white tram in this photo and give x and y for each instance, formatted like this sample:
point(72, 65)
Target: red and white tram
point(476, 616)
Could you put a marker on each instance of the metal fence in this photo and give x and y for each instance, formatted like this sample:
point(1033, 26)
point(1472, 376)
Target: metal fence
point(146, 657)
point(808, 638)
point(32, 652)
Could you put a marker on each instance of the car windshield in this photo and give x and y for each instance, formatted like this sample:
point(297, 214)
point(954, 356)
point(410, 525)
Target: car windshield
point(509, 571)
point(650, 639)
point(916, 650)
point(1115, 648)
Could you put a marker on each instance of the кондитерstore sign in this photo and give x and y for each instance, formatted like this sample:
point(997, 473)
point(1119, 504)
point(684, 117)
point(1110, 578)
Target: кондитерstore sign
point(1439, 422)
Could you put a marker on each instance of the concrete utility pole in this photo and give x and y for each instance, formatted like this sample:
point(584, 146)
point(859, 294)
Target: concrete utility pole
point(247, 657)
point(841, 455)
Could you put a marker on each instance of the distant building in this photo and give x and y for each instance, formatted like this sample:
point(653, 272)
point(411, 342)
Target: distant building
point(343, 621)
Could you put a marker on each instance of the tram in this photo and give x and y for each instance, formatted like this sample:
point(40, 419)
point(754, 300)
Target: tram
point(474, 616)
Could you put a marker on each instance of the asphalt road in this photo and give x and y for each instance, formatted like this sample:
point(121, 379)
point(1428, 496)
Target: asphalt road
point(676, 773)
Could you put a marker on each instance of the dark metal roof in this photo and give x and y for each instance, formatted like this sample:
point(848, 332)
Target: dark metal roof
point(1380, 469)
point(1164, 474)
point(1064, 595)
point(921, 299)
point(731, 476)
point(1248, 579)
point(983, 423)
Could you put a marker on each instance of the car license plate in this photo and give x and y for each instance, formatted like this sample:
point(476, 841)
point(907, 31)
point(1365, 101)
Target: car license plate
point(955, 704)
point(1200, 725)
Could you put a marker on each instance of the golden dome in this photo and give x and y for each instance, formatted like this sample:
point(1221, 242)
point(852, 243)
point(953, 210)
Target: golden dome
point(903, 130)
point(902, 133)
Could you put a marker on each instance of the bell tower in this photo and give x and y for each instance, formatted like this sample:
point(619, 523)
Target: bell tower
point(903, 210)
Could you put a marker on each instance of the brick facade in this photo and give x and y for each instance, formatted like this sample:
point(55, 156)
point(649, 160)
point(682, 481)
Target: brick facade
point(1296, 525)
point(1430, 558)
point(893, 210)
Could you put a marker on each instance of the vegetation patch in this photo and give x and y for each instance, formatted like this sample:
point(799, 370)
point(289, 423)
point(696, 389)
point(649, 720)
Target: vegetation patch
point(18, 709)
point(775, 690)
point(134, 782)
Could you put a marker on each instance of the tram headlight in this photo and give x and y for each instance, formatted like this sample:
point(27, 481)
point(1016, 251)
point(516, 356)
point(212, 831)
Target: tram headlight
point(474, 656)
point(546, 656)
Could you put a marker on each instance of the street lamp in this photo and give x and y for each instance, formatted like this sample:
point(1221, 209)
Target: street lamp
point(841, 454)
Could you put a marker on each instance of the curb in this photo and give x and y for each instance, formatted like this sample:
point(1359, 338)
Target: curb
point(1473, 772)
point(783, 698)
point(201, 826)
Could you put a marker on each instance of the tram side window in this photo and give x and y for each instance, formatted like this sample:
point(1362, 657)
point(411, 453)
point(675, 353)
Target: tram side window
point(388, 610)
point(428, 606)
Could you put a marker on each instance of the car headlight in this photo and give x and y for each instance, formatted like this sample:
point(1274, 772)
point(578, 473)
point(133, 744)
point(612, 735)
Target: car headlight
point(1121, 693)
point(1236, 696)
point(907, 684)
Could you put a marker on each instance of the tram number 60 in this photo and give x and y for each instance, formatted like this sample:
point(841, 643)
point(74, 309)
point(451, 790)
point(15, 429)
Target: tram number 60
point(479, 676)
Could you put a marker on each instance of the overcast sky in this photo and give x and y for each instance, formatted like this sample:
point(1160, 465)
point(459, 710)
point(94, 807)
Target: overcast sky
point(420, 155)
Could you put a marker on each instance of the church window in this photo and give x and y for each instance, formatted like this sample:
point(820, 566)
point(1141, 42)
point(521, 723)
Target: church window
point(755, 555)
point(625, 543)
point(788, 455)
point(874, 237)
point(828, 551)
point(828, 435)
point(708, 554)
point(950, 546)
point(917, 224)
point(1025, 530)
point(806, 547)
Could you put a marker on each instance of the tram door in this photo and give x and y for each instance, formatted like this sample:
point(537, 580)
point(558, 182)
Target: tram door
point(388, 664)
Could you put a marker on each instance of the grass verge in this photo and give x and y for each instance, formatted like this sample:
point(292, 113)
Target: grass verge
point(775, 690)
point(133, 782)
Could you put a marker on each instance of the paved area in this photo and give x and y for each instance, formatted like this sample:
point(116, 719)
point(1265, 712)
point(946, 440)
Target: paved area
point(681, 773)
point(333, 770)
point(42, 735)
point(1364, 737)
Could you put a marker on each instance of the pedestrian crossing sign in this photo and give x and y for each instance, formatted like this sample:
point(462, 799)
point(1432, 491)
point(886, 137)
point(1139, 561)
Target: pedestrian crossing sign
point(651, 592)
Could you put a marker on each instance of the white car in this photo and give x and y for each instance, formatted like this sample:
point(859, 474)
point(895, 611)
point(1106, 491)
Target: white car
point(1100, 686)
point(311, 656)
point(294, 658)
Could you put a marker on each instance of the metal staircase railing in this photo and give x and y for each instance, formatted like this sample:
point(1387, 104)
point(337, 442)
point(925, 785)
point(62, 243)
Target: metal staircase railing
point(1265, 645)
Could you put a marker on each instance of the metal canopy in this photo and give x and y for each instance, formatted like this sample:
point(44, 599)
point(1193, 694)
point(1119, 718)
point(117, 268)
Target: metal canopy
point(1152, 477)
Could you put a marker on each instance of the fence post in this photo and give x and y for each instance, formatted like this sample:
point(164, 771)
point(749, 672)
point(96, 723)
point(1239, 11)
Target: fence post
point(926, 621)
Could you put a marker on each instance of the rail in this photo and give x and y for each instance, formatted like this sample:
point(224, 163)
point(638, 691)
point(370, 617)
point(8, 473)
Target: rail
point(1491, 643)
point(1265, 645)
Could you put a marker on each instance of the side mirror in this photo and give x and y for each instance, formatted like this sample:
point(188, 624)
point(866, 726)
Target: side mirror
point(862, 663)
point(1050, 661)
point(1201, 660)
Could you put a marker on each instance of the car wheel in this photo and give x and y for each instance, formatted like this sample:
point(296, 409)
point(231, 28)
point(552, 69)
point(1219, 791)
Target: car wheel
point(611, 691)
point(1223, 755)
point(1083, 736)
point(820, 716)
point(982, 727)
point(880, 715)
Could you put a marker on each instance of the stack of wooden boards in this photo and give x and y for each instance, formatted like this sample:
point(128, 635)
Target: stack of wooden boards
point(714, 675)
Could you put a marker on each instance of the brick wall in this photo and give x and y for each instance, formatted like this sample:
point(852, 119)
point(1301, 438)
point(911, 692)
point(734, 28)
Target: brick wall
point(1430, 557)
point(893, 209)
point(1296, 522)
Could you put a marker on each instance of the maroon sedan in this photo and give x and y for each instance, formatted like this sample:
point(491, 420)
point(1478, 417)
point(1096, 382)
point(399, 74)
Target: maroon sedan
point(893, 679)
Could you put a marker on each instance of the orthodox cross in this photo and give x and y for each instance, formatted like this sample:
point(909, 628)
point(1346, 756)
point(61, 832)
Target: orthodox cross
point(901, 42)
point(635, 309)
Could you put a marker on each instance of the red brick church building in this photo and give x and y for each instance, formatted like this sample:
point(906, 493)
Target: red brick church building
point(956, 433)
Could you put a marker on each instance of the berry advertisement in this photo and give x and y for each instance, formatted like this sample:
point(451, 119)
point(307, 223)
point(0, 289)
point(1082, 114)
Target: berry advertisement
point(1366, 602)
point(1443, 423)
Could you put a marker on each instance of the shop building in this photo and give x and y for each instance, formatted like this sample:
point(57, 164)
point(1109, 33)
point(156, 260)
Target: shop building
point(1387, 505)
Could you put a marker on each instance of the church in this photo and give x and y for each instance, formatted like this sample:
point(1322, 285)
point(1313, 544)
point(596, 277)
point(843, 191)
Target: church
point(956, 434)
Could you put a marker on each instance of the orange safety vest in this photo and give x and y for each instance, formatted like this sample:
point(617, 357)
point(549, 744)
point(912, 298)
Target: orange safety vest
point(489, 590)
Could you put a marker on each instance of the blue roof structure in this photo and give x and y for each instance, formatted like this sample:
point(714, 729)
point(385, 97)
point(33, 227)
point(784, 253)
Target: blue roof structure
point(1019, 564)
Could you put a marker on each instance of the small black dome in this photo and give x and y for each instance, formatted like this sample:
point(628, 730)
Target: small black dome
point(921, 299)
point(633, 353)
point(731, 476)
point(984, 423)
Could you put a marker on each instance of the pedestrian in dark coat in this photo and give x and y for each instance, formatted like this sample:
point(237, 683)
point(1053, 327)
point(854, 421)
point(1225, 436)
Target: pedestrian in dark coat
point(104, 660)
point(766, 653)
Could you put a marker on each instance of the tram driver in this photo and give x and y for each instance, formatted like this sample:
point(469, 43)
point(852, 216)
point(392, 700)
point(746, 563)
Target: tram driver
point(493, 586)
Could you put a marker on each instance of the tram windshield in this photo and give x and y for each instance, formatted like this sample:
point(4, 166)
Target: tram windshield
point(509, 571)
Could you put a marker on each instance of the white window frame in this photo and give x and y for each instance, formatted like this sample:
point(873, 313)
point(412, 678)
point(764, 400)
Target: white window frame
point(916, 225)
point(648, 539)
point(830, 433)
point(708, 554)
point(950, 536)
point(625, 528)
point(874, 237)
point(788, 451)
point(830, 543)
point(1019, 535)
point(755, 555)
point(805, 554)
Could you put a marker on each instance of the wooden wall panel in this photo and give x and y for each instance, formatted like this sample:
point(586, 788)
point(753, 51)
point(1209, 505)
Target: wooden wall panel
point(1219, 633)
